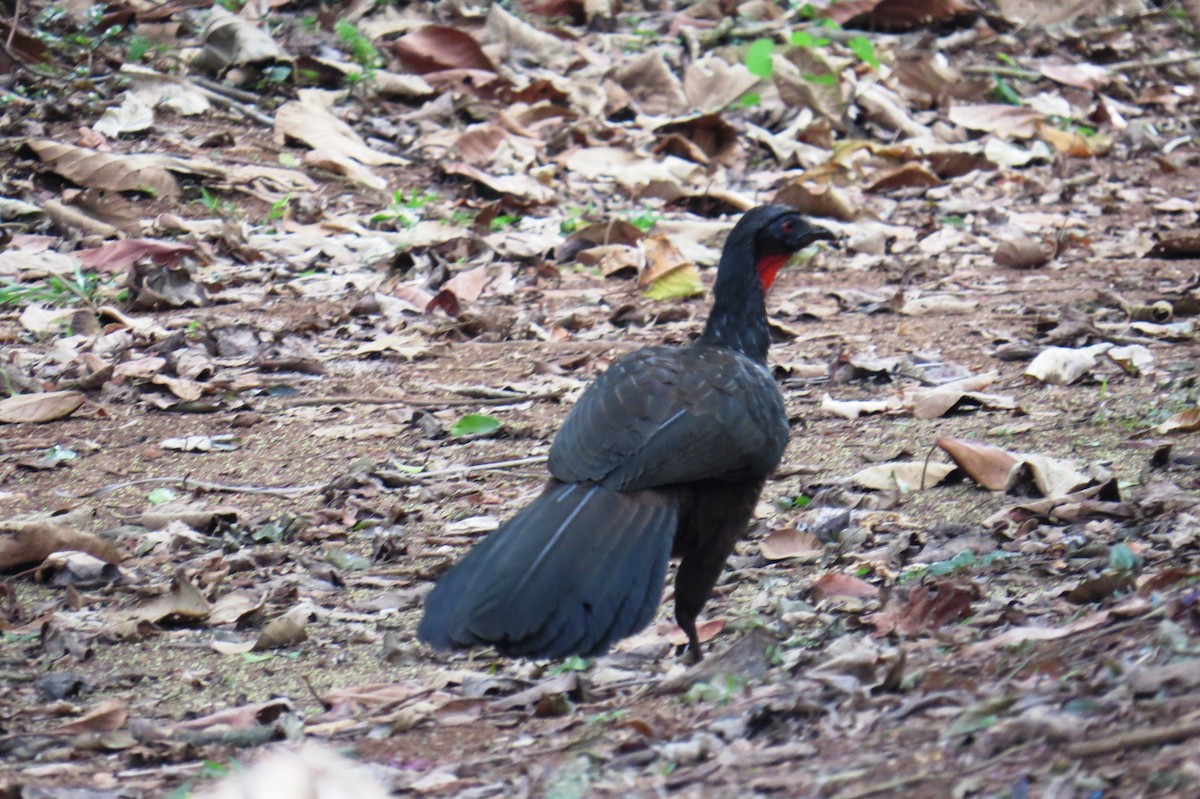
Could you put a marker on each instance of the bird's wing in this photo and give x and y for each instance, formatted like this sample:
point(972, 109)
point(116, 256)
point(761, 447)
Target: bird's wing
point(665, 415)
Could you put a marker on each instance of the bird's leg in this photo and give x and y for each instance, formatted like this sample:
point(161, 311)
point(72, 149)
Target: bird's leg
point(694, 582)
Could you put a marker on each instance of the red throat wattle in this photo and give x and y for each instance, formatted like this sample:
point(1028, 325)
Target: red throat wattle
point(768, 268)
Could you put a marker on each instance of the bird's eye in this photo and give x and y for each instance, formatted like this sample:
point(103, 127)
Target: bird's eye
point(789, 226)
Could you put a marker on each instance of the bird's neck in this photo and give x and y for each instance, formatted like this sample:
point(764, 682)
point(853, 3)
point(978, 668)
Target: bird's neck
point(738, 320)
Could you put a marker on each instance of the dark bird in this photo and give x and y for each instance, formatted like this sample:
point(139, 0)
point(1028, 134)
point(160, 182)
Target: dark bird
point(663, 456)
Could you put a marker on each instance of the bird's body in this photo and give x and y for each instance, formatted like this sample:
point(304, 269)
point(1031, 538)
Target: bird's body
point(663, 456)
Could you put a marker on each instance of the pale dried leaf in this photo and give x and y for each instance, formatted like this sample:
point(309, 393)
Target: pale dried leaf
point(35, 408)
point(1003, 120)
point(1062, 366)
point(309, 122)
point(903, 475)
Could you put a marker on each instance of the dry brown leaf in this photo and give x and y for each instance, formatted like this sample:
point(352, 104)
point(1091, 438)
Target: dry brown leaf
point(145, 173)
point(522, 187)
point(652, 84)
point(183, 603)
point(552, 52)
point(435, 48)
point(245, 717)
point(287, 630)
point(1003, 120)
point(836, 584)
point(108, 716)
point(1083, 76)
point(1185, 421)
point(36, 408)
point(30, 544)
point(818, 199)
point(926, 608)
point(571, 9)
point(234, 605)
point(613, 259)
point(909, 176)
point(990, 467)
point(705, 630)
point(904, 475)
point(661, 259)
point(702, 139)
point(1020, 635)
point(713, 84)
point(897, 15)
point(467, 286)
point(233, 39)
point(118, 255)
point(1019, 250)
point(1074, 143)
point(339, 164)
point(789, 542)
point(311, 122)
point(852, 409)
point(939, 401)
point(1061, 366)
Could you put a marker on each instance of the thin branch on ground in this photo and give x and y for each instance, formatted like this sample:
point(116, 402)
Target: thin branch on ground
point(351, 399)
point(188, 484)
point(1137, 739)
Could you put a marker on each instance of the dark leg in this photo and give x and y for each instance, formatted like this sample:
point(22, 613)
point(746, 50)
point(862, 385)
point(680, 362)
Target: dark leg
point(716, 520)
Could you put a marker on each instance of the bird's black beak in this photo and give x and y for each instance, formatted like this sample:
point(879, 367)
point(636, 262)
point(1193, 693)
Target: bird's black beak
point(816, 234)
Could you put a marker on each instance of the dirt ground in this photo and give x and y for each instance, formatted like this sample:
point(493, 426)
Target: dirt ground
point(224, 547)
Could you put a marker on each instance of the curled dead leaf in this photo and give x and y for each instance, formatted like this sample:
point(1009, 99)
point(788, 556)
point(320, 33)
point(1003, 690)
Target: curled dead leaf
point(36, 408)
point(434, 48)
point(837, 584)
point(988, 466)
point(107, 716)
point(789, 542)
point(31, 543)
point(902, 475)
point(705, 630)
point(926, 608)
point(1022, 251)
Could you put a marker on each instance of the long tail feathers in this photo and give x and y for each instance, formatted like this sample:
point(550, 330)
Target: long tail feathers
point(579, 568)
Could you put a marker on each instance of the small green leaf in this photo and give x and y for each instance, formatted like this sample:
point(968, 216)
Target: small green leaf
point(822, 80)
point(681, 282)
point(160, 495)
point(807, 41)
point(1006, 92)
point(749, 100)
point(861, 46)
point(1121, 558)
point(347, 561)
point(474, 424)
point(758, 57)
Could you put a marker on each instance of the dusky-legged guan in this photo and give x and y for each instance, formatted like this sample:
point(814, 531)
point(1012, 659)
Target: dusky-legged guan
point(663, 456)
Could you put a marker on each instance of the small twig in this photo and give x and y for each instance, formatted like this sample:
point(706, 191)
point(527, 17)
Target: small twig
point(1116, 66)
point(187, 483)
point(1138, 739)
point(478, 467)
point(925, 468)
point(1004, 72)
point(12, 25)
point(886, 787)
point(351, 399)
point(219, 98)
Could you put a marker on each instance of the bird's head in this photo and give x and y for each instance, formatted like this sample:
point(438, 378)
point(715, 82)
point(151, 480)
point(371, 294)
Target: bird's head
point(777, 232)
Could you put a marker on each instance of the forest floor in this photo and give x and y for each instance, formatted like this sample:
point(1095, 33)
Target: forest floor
point(271, 360)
